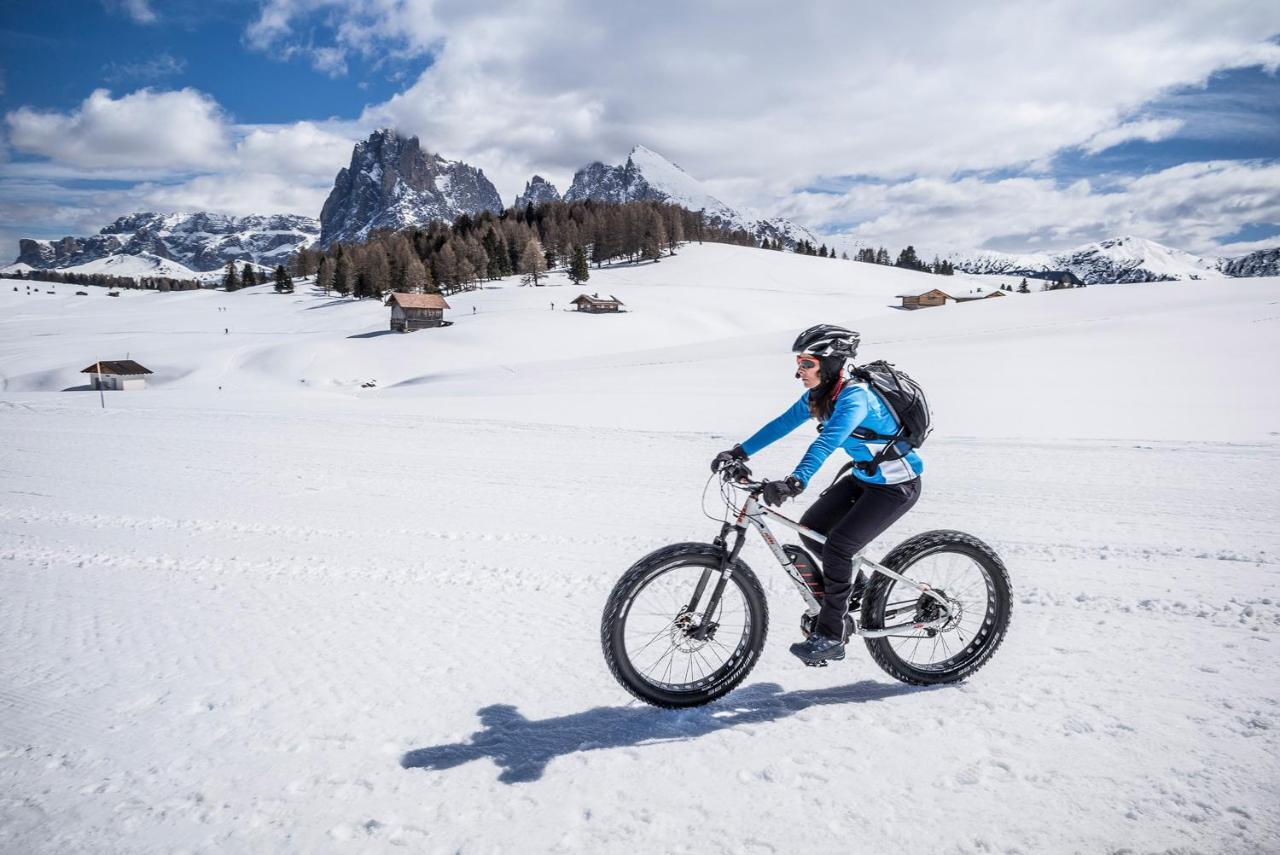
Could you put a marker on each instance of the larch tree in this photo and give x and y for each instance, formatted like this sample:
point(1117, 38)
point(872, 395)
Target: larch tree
point(533, 262)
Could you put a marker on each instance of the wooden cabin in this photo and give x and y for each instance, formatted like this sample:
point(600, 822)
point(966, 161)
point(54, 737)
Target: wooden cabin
point(924, 298)
point(977, 294)
point(121, 375)
point(411, 312)
point(595, 304)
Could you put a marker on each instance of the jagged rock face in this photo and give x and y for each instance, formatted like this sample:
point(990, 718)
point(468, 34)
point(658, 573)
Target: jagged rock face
point(537, 192)
point(392, 183)
point(616, 184)
point(200, 241)
point(1264, 262)
point(649, 177)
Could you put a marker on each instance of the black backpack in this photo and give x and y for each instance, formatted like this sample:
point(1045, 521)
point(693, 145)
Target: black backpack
point(906, 401)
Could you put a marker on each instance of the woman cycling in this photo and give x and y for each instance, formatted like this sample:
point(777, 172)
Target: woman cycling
point(857, 508)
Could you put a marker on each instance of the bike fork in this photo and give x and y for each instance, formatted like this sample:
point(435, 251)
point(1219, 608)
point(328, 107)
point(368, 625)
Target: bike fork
point(728, 555)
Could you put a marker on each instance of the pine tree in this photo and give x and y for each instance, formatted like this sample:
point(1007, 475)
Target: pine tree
point(579, 272)
point(907, 259)
point(248, 278)
point(533, 262)
point(1022, 286)
point(230, 280)
point(284, 285)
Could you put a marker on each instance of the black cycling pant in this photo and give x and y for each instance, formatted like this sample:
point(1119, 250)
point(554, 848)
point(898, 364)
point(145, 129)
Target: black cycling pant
point(851, 513)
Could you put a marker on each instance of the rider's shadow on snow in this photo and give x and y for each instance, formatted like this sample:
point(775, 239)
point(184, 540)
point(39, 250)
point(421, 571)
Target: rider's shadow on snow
point(523, 748)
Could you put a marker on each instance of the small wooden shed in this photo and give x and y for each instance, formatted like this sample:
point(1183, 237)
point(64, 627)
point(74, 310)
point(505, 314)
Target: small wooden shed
point(411, 312)
point(924, 298)
point(594, 303)
point(977, 294)
point(121, 375)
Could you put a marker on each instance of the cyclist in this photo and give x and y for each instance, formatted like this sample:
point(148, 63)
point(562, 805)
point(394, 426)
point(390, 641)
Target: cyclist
point(857, 508)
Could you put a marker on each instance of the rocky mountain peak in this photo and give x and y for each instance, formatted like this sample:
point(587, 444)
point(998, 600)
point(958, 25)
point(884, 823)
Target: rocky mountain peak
point(647, 176)
point(537, 191)
point(392, 183)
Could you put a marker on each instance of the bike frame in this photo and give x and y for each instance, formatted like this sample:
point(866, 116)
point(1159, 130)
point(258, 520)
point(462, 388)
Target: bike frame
point(753, 514)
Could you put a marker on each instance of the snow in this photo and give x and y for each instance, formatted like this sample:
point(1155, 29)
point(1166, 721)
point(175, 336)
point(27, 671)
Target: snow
point(259, 607)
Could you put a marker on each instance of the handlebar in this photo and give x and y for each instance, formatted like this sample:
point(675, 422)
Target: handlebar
point(738, 474)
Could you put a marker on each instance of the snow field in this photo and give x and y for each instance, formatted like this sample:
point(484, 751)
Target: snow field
point(310, 617)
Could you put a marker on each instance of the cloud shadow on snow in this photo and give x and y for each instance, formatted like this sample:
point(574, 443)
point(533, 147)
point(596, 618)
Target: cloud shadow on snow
point(523, 748)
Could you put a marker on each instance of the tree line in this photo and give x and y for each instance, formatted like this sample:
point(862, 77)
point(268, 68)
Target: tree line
point(446, 258)
point(907, 259)
point(104, 280)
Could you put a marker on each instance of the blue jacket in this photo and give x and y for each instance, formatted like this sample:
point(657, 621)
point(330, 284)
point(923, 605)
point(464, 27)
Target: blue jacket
point(857, 406)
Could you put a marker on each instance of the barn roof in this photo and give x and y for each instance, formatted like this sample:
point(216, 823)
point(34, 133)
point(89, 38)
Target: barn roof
point(597, 300)
point(417, 301)
point(116, 366)
point(978, 295)
point(922, 291)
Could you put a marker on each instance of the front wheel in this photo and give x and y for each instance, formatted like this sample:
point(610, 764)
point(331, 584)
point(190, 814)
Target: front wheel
point(660, 642)
point(975, 584)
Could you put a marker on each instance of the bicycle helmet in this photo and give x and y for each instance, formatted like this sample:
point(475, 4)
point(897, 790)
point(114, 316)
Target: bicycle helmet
point(827, 340)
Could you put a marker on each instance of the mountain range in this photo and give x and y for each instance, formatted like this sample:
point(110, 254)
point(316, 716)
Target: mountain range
point(177, 245)
point(391, 183)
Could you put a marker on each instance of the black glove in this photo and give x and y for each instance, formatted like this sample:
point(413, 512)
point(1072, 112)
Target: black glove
point(725, 458)
point(777, 492)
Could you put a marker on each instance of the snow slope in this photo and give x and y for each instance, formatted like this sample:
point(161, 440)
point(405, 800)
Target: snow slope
point(295, 614)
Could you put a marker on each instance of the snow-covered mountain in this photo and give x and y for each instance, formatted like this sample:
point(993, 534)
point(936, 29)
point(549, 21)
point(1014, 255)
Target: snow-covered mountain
point(179, 245)
point(648, 176)
point(536, 192)
point(392, 183)
point(1122, 259)
point(1264, 262)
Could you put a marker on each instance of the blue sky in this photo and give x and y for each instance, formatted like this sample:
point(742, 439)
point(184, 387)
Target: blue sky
point(1017, 130)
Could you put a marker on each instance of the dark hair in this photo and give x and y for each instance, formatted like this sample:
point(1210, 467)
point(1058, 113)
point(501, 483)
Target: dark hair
point(822, 398)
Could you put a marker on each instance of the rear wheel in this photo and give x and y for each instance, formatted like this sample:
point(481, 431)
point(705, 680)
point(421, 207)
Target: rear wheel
point(660, 643)
point(970, 577)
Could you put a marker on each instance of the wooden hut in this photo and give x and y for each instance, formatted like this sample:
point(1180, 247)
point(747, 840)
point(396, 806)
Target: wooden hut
point(121, 375)
point(924, 298)
point(595, 304)
point(411, 312)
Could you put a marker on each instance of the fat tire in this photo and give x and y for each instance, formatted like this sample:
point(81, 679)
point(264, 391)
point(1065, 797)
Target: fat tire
point(900, 560)
point(613, 624)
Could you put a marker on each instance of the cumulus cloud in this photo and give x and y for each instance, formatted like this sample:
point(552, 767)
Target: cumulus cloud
point(781, 97)
point(179, 129)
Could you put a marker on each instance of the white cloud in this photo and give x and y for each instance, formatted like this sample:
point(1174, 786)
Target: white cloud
point(179, 129)
point(239, 193)
point(139, 10)
point(1187, 206)
point(780, 96)
point(1148, 130)
point(304, 149)
point(152, 68)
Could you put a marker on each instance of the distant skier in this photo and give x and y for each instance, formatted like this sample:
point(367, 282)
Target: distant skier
point(859, 507)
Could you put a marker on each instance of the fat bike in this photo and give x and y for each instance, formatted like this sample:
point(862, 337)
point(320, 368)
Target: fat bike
point(687, 623)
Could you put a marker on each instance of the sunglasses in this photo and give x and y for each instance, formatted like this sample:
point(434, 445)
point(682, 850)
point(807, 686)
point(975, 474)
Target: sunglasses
point(806, 362)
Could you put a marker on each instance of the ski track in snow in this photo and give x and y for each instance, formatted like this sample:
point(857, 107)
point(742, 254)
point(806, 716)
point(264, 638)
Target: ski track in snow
point(221, 650)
